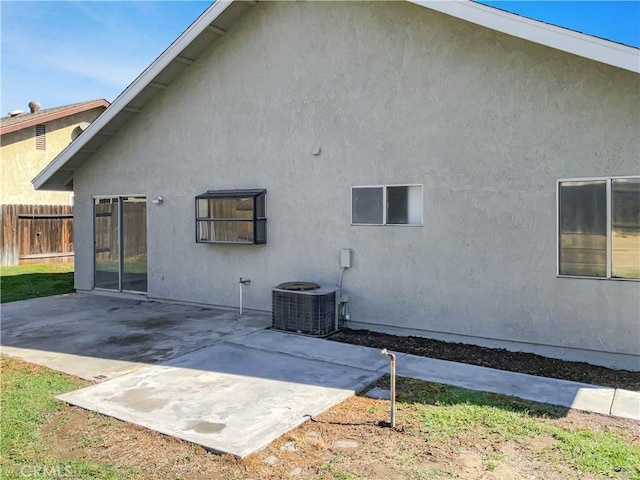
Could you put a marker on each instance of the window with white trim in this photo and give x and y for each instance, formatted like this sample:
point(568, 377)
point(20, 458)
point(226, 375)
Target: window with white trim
point(599, 227)
point(386, 205)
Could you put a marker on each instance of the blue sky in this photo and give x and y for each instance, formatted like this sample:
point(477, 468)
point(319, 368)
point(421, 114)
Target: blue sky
point(618, 21)
point(61, 52)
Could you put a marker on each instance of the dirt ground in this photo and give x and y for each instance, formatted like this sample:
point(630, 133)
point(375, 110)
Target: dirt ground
point(349, 441)
point(353, 440)
point(498, 358)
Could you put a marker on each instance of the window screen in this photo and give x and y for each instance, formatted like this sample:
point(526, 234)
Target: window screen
point(367, 205)
point(386, 205)
point(625, 227)
point(583, 228)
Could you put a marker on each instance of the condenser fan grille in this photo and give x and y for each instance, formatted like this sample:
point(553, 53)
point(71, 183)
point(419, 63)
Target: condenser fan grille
point(309, 312)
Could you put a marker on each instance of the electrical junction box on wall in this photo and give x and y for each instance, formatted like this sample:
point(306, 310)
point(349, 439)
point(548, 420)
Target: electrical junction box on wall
point(345, 258)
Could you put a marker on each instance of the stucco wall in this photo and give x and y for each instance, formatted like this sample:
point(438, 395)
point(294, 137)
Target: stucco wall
point(393, 93)
point(21, 161)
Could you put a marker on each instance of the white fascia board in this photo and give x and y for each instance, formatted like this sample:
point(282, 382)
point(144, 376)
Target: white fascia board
point(603, 51)
point(132, 90)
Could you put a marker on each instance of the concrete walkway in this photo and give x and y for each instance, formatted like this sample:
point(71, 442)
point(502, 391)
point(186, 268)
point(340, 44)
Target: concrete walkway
point(564, 393)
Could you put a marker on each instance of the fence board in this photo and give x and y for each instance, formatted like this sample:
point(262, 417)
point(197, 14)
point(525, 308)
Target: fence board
point(36, 234)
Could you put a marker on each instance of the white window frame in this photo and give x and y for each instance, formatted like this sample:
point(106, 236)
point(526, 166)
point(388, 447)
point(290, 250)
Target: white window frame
point(385, 205)
point(607, 181)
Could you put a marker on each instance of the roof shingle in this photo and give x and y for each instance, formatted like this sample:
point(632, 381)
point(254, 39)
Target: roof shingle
point(11, 124)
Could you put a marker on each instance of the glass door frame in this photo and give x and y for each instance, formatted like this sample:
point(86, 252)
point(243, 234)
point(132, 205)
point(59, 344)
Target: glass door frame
point(121, 259)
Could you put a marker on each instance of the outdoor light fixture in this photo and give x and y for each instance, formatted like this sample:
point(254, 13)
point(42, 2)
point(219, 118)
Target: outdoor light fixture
point(158, 200)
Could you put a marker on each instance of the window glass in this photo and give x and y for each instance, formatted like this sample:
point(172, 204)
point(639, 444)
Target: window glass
point(261, 209)
point(203, 208)
point(225, 208)
point(397, 205)
point(222, 231)
point(583, 228)
point(625, 228)
point(367, 205)
point(404, 205)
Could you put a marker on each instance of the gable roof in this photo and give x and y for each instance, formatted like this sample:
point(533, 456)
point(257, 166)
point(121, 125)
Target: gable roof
point(13, 124)
point(220, 16)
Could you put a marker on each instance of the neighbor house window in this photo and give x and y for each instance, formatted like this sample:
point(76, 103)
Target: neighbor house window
point(599, 227)
point(41, 137)
point(231, 216)
point(386, 205)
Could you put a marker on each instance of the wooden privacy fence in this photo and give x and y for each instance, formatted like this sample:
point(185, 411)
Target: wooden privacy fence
point(36, 234)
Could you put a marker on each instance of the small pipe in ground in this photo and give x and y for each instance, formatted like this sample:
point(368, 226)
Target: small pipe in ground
point(392, 385)
point(242, 282)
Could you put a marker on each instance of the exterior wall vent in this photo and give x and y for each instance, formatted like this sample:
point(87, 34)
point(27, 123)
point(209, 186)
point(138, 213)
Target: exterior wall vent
point(305, 308)
point(41, 137)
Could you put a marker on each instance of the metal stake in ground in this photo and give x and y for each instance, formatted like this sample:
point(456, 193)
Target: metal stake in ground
point(392, 386)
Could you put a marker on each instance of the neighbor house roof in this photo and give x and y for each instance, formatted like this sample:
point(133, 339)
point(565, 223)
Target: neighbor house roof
point(24, 120)
point(220, 16)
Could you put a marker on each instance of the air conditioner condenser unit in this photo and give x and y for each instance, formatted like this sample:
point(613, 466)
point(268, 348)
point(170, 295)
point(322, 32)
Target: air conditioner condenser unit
point(305, 308)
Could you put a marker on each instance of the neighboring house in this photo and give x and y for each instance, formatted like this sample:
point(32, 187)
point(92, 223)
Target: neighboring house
point(482, 168)
point(37, 226)
point(29, 141)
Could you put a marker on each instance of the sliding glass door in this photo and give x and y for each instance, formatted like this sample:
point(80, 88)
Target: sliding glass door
point(120, 243)
point(106, 242)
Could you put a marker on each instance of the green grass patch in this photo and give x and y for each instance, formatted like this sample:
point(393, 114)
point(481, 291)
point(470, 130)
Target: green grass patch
point(601, 453)
point(30, 281)
point(132, 264)
point(331, 471)
point(460, 411)
point(444, 412)
point(27, 402)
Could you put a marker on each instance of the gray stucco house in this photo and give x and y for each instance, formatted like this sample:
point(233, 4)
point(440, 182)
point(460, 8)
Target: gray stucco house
point(482, 168)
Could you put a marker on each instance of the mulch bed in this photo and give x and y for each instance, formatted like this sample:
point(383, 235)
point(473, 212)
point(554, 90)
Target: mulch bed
point(498, 358)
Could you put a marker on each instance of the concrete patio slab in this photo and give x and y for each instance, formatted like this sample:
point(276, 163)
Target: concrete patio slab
point(227, 398)
point(626, 404)
point(316, 348)
point(564, 393)
point(97, 337)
